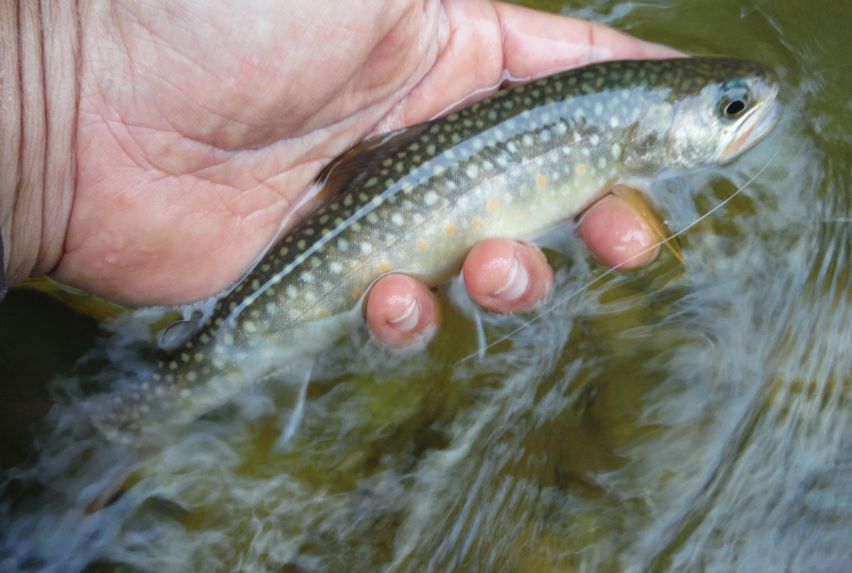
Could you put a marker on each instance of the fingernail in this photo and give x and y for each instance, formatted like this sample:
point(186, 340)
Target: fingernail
point(516, 283)
point(409, 319)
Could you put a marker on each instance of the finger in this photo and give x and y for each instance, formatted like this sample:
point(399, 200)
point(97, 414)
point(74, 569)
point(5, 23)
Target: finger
point(617, 235)
point(401, 312)
point(489, 40)
point(536, 43)
point(506, 276)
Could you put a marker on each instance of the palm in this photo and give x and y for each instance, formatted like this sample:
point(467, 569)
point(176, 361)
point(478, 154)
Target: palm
point(199, 127)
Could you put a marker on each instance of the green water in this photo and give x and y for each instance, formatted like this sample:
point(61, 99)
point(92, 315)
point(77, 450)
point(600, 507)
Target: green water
point(691, 418)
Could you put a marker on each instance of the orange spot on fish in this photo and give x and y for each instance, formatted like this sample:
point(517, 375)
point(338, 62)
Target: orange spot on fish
point(580, 168)
point(322, 313)
point(540, 181)
point(477, 223)
point(384, 267)
point(493, 205)
point(422, 246)
point(450, 229)
point(356, 292)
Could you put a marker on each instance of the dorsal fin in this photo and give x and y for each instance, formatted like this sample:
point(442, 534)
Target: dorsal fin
point(360, 161)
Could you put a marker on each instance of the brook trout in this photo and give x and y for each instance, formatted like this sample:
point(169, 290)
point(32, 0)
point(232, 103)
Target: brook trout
point(417, 200)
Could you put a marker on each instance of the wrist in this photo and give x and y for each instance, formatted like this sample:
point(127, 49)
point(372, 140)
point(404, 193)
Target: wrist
point(39, 47)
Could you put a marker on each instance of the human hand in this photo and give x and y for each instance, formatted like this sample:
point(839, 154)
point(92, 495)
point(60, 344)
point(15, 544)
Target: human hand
point(199, 126)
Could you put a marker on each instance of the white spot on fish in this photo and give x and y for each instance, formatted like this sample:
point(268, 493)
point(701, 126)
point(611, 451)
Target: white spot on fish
point(613, 122)
point(291, 292)
point(594, 140)
point(616, 150)
point(432, 197)
point(471, 171)
point(366, 248)
point(343, 245)
point(397, 219)
point(598, 108)
point(335, 267)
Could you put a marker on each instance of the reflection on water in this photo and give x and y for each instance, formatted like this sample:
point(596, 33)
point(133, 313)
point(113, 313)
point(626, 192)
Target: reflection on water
point(677, 418)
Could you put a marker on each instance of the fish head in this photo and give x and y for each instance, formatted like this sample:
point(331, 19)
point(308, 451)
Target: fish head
point(712, 110)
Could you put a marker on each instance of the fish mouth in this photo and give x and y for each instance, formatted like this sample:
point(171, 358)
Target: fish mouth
point(753, 127)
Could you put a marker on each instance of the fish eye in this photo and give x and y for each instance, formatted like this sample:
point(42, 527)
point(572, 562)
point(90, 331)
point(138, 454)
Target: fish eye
point(734, 101)
point(735, 108)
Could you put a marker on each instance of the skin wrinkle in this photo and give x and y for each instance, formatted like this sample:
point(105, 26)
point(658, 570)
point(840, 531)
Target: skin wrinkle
point(442, 41)
point(28, 205)
point(501, 25)
point(10, 242)
point(69, 63)
point(45, 164)
point(590, 42)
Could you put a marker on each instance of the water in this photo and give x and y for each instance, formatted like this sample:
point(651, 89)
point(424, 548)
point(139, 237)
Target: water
point(678, 418)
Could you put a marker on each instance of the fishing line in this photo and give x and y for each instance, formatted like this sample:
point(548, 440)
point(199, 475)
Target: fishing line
point(612, 270)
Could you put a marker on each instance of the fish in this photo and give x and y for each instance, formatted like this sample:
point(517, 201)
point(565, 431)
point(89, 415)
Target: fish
point(416, 200)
